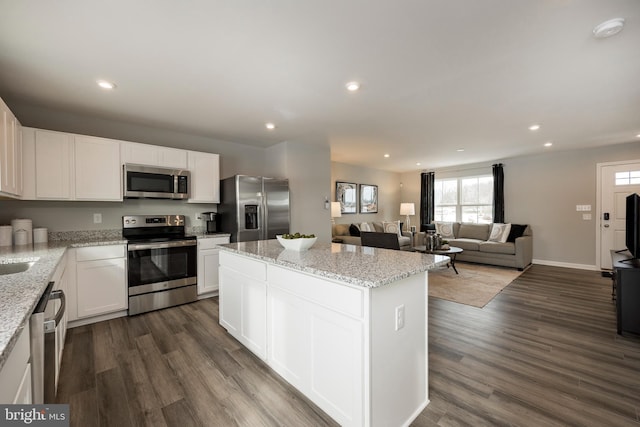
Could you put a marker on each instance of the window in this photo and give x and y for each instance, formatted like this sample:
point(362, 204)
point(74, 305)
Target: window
point(628, 178)
point(468, 199)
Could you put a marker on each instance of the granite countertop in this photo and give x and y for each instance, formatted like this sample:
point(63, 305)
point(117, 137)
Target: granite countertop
point(211, 236)
point(356, 265)
point(20, 292)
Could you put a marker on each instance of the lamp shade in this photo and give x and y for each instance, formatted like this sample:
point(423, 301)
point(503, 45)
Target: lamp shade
point(407, 209)
point(335, 210)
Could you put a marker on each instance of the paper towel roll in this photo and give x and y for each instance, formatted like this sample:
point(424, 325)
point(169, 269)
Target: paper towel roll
point(40, 235)
point(6, 235)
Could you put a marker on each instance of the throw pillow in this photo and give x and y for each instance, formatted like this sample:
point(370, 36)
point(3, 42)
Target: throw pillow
point(392, 227)
point(366, 227)
point(445, 229)
point(517, 230)
point(499, 232)
point(354, 230)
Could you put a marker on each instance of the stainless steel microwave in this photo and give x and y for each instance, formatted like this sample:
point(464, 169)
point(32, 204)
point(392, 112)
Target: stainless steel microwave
point(155, 182)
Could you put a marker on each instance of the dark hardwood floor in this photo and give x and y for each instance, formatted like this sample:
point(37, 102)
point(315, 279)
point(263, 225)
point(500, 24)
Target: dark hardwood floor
point(543, 352)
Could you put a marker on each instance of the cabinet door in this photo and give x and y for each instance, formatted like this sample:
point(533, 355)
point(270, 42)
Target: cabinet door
point(205, 177)
point(208, 260)
point(153, 155)
point(172, 157)
point(10, 170)
point(53, 152)
point(243, 310)
point(318, 350)
point(140, 154)
point(101, 287)
point(98, 175)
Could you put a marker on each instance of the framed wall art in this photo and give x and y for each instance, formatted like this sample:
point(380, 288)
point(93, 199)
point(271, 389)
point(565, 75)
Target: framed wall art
point(346, 194)
point(368, 198)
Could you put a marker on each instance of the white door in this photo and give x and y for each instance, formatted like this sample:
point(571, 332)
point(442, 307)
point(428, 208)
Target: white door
point(617, 181)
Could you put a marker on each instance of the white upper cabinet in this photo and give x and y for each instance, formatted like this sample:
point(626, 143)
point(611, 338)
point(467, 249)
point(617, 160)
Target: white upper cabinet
point(64, 166)
point(53, 160)
point(153, 155)
point(205, 177)
point(98, 174)
point(10, 153)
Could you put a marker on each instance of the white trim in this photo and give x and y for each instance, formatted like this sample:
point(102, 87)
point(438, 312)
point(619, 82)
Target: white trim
point(565, 264)
point(96, 319)
point(598, 218)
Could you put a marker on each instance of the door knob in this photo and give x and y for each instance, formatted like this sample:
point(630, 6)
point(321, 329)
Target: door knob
point(606, 226)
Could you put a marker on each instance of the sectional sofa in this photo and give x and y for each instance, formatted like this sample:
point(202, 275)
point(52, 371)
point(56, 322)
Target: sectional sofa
point(350, 233)
point(485, 244)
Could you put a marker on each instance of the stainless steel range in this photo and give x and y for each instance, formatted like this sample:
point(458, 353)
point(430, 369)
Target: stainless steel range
point(162, 262)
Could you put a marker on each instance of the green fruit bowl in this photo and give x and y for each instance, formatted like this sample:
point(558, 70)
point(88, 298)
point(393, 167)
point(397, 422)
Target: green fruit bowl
point(300, 244)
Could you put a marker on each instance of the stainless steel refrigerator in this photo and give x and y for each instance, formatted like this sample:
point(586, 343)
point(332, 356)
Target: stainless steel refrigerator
point(254, 207)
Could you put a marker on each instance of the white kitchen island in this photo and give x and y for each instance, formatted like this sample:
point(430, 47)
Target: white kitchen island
point(346, 325)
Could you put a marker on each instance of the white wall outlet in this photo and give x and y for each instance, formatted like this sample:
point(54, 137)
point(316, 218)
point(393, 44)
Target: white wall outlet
point(97, 218)
point(399, 317)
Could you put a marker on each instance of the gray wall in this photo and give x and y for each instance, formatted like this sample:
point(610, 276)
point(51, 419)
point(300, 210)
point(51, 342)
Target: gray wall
point(389, 194)
point(543, 191)
point(307, 165)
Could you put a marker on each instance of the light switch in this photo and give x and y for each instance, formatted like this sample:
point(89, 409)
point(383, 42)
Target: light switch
point(586, 217)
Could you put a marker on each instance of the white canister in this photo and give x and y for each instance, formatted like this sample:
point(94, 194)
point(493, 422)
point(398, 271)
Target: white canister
point(22, 224)
point(20, 237)
point(40, 235)
point(6, 235)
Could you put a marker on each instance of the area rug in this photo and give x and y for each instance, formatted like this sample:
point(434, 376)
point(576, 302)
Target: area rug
point(476, 284)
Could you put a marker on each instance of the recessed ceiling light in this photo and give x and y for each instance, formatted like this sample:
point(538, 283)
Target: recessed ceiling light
point(353, 86)
point(106, 85)
point(534, 127)
point(460, 150)
point(387, 156)
point(638, 135)
point(270, 126)
point(548, 144)
point(608, 28)
point(418, 164)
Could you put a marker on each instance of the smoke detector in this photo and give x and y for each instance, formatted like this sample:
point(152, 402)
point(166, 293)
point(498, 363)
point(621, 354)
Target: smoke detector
point(608, 28)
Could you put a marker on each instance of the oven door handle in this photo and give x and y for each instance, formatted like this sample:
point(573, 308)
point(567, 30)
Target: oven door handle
point(163, 245)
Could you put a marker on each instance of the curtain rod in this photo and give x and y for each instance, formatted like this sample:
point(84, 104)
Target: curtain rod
point(459, 170)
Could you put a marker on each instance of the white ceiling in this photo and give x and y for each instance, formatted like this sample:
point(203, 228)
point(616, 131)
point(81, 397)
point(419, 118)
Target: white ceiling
point(436, 75)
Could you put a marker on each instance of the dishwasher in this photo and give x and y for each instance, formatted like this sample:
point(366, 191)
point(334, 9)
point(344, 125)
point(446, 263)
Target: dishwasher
point(46, 326)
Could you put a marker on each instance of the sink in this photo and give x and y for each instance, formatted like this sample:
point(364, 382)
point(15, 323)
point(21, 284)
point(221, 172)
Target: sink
point(15, 267)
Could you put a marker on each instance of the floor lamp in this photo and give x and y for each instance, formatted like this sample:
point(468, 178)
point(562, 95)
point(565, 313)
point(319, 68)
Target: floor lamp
point(335, 211)
point(407, 209)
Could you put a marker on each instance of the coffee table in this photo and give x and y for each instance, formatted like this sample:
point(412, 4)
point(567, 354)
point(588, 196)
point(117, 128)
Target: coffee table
point(451, 253)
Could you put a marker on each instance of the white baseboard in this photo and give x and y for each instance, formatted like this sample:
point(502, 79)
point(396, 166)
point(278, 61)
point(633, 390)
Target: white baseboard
point(565, 264)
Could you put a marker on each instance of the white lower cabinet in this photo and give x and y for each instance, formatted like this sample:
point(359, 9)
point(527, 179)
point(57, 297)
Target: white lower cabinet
point(208, 260)
point(101, 285)
point(337, 343)
point(15, 376)
point(244, 314)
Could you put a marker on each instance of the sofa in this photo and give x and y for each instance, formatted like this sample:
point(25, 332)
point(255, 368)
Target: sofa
point(493, 244)
point(347, 234)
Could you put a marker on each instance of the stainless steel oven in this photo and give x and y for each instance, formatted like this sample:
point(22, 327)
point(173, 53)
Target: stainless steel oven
point(161, 262)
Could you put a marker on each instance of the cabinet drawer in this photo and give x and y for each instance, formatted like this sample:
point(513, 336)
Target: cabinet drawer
point(251, 268)
point(337, 297)
point(100, 252)
point(212, 242)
